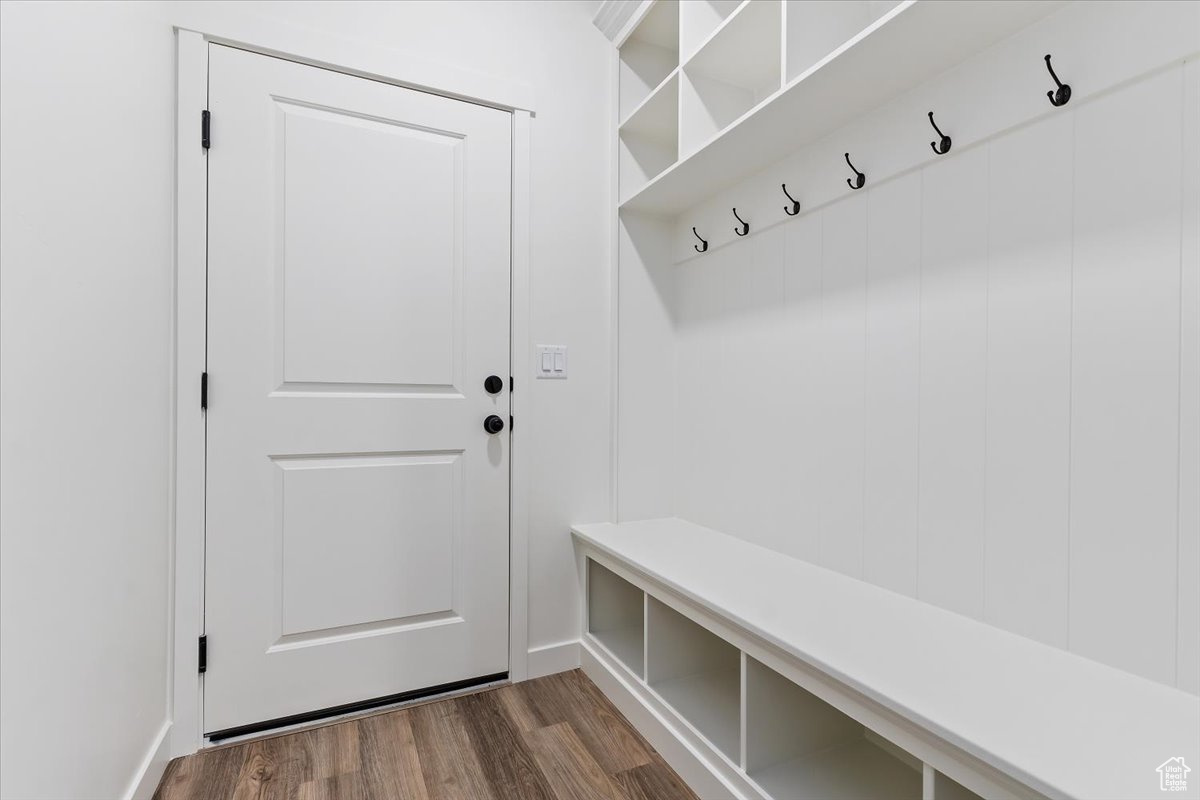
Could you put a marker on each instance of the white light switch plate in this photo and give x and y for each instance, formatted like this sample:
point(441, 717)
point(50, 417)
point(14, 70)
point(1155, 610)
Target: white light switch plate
point(550, 361)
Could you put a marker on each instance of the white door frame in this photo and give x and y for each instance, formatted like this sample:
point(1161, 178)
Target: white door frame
point(191, 233)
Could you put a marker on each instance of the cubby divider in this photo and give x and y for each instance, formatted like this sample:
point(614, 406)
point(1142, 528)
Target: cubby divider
point(697, 673)
point(699, 18)
point(616, 616)
point(797, 745)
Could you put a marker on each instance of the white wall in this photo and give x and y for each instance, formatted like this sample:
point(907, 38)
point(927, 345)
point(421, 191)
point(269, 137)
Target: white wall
point(85, 203)
point(87, 191)
point(973, 382)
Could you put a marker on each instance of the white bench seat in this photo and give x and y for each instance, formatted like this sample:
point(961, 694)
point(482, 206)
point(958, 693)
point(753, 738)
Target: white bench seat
point(1053, 721)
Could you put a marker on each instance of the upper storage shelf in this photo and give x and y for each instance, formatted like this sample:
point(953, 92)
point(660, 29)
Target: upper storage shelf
point(736, 119)
point(698, 19)
point(735, 69)
point(649, 55)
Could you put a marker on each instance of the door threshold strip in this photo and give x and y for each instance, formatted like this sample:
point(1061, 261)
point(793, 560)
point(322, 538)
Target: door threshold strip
point(324, 716)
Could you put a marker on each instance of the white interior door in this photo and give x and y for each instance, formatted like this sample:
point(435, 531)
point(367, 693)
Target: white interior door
point(358, 298)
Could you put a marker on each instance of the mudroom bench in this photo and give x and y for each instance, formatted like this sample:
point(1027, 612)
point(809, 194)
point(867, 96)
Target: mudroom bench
point(761, 676)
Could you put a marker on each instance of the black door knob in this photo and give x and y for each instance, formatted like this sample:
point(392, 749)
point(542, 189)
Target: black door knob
point(493, 384)
point(493, 424)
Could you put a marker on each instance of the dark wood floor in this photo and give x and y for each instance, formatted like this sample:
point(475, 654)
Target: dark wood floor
point(554, 737)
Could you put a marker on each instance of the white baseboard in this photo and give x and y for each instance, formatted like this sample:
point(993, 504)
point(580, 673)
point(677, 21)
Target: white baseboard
point(552, 658)
point(154, 763)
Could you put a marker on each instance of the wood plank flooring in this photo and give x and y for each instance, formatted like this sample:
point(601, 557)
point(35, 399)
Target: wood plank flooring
point(554, 738)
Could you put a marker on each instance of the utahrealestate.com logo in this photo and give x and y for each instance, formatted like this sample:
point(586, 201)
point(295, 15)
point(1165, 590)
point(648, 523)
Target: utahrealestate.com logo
point(1172, 775)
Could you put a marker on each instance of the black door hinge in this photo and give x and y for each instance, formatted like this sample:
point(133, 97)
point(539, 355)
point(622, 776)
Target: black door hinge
point(511, 383)
point(205, 128)
point(510, 422)
point(203, 654)
point(204, 391)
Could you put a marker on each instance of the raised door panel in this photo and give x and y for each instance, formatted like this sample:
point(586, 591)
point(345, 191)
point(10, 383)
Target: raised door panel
point(391, 521)
point(383, 202)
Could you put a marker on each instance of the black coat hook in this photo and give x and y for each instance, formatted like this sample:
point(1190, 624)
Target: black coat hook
point(1062, 94)
point(860, 180)
point(744, 228)
point(941, 147)
point(795, 207)
point(700, 248)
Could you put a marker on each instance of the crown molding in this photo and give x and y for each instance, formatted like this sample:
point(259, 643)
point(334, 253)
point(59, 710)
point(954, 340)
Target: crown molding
point(616, 18)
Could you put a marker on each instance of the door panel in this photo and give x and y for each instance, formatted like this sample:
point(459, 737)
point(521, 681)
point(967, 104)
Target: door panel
point(368, 321)
point(383, 508)
point(357, 511)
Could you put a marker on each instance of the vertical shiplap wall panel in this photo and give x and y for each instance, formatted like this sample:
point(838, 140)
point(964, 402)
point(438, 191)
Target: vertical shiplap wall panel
point(953, 382)
point(841, 373)
point(698, 466)
point(753, 302)
point(645, 352)
point(799, 352)
point(967, 383)
point(1188, 657)
point(893, 329)
point(1125, 378)
point(1028, 381)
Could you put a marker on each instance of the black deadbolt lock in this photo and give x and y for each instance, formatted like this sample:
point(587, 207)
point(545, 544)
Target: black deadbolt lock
point(493, 424)
point(493, 384)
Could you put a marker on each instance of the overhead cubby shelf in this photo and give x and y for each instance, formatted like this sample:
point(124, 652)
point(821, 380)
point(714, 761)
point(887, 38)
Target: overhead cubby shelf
point(616, 616)
point(649, 138)
point(649, 55)
point(698, 674)
point(655, 117)
point(899, 50)
point(699, 18)
point(818, 27)
point(797, 745)
point(734, 70)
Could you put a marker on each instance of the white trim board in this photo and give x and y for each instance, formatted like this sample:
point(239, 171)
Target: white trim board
point(295, 43)
point(154, 764)
point(521, 355)
point(616, 19)
point(191, 226)
point(189, 320)
point(550, 659)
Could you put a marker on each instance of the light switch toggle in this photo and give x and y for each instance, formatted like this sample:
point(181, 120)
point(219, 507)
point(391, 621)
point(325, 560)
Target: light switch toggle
point(551, 361)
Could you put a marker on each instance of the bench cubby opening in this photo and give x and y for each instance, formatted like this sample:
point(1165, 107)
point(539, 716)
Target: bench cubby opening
point(697, 673)
point(616, 616)
point(946, 788)
point(797, 745)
